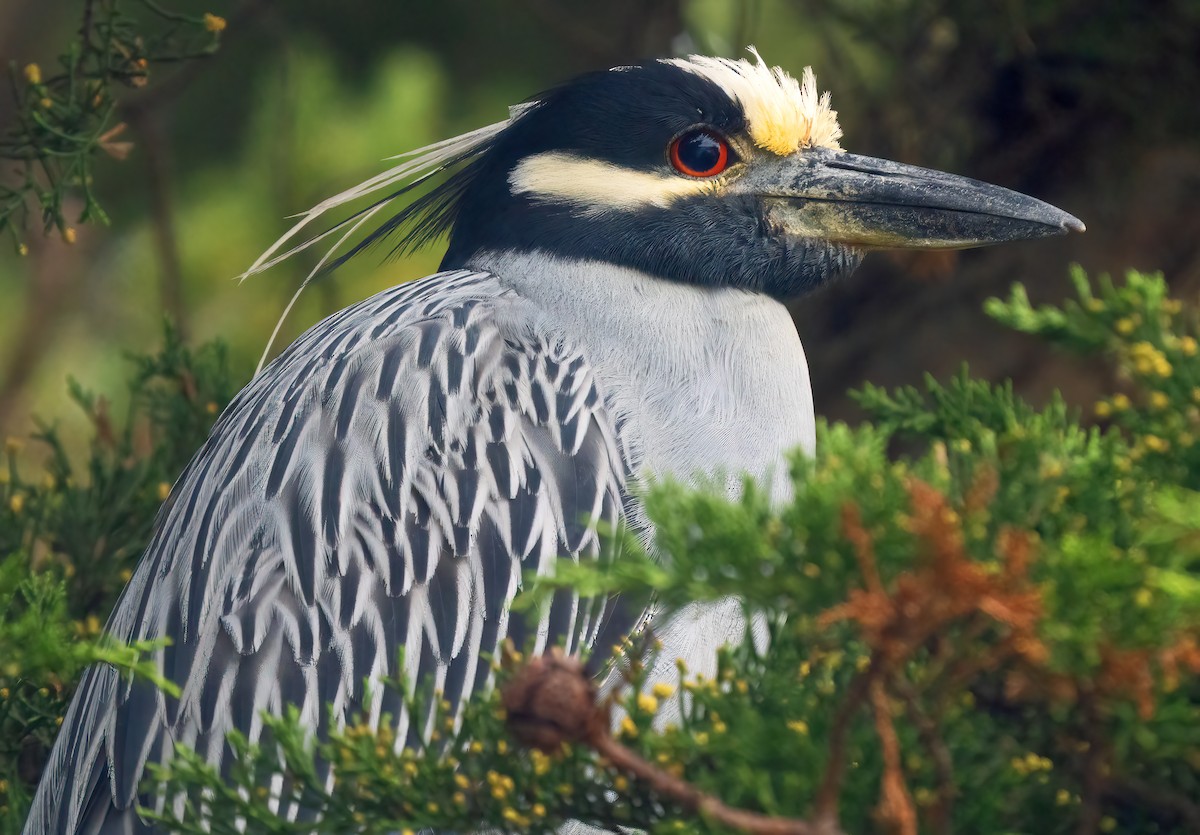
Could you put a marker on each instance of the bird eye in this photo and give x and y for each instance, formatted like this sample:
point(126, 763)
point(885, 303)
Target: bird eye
point(699, 153)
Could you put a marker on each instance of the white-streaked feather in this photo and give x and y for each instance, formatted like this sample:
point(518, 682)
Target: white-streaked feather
point(289, 590)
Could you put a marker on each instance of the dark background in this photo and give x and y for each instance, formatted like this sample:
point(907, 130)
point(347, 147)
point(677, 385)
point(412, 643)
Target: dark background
point(1088, 104)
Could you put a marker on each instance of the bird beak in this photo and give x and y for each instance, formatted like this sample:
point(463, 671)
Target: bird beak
point(875, 203)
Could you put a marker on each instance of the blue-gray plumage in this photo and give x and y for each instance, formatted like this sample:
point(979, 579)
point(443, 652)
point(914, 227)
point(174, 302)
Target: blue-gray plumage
point(610, 311)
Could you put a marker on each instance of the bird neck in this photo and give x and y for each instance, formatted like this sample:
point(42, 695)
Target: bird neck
point(712, 381)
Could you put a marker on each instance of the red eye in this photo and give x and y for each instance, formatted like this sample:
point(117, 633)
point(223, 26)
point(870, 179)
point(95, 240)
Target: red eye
point(700, 153)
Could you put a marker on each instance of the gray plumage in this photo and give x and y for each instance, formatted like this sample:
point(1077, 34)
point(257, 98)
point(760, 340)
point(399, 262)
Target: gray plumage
point(381, 485)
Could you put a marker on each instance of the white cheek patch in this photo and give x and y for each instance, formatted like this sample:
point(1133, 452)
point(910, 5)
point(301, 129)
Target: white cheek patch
point(595, 187)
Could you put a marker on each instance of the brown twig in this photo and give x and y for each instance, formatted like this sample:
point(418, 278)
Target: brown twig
point(695, 800)
point(53, 289)
point(146, 125)
point(825, 808)
point(896, 810)
point(943, 764)
point(551, 700)
point(169, 88)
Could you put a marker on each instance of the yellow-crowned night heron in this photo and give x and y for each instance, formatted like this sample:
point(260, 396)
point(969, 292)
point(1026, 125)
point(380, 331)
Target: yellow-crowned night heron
point(610, 307)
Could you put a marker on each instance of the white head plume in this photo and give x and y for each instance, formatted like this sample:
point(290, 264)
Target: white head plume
point(418, 166)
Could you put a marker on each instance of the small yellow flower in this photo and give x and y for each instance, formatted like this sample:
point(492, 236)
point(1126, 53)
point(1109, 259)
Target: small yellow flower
point(540, 762)
point(1108, 824)
point(1094, 304)
point(1143, 597)
point(1063, 797)
point(647, 703)
point(214, 23)
point(663, 690)
point(538, 810)
point(628, 728)
point(812, 570)
point(799, 726)
point(211, 407)
point(22, 250)
point(459, 799)
point(1120, 402)
point(1188, 346)
point(1155, 443)
point(45, 102)
point(1102, 409)
point(68, 235)
point(1159, 400)
point(1172, 306)
point(164, 490)
point(620, 783)
point(33, 73)
point(1125, 326)
point(16, 503)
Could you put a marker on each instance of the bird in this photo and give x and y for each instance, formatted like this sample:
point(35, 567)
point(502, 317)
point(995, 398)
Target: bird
point(610, 310)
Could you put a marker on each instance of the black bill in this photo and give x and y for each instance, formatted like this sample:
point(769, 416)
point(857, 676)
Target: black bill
point(876, 203)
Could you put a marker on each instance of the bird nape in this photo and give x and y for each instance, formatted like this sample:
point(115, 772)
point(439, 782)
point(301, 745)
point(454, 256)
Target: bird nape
point(609, 310)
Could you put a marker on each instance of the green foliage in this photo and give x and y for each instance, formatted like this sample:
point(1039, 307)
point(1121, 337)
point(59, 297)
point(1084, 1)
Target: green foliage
point(471, 778)
point(65, 118)
point(996, 632)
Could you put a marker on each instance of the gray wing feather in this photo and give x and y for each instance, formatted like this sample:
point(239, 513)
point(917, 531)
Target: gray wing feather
point(383, 484)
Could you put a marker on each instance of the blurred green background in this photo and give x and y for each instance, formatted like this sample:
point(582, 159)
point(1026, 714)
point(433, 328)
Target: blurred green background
point(1089, 104)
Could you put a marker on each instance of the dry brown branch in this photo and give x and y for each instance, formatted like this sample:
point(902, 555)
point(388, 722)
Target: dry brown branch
point(947, 586)
point(552, 701)
point(945, 596)
point(825, 807)
point(150, 135)
point(864, 547)
point(942, 812)
point(896, 811)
